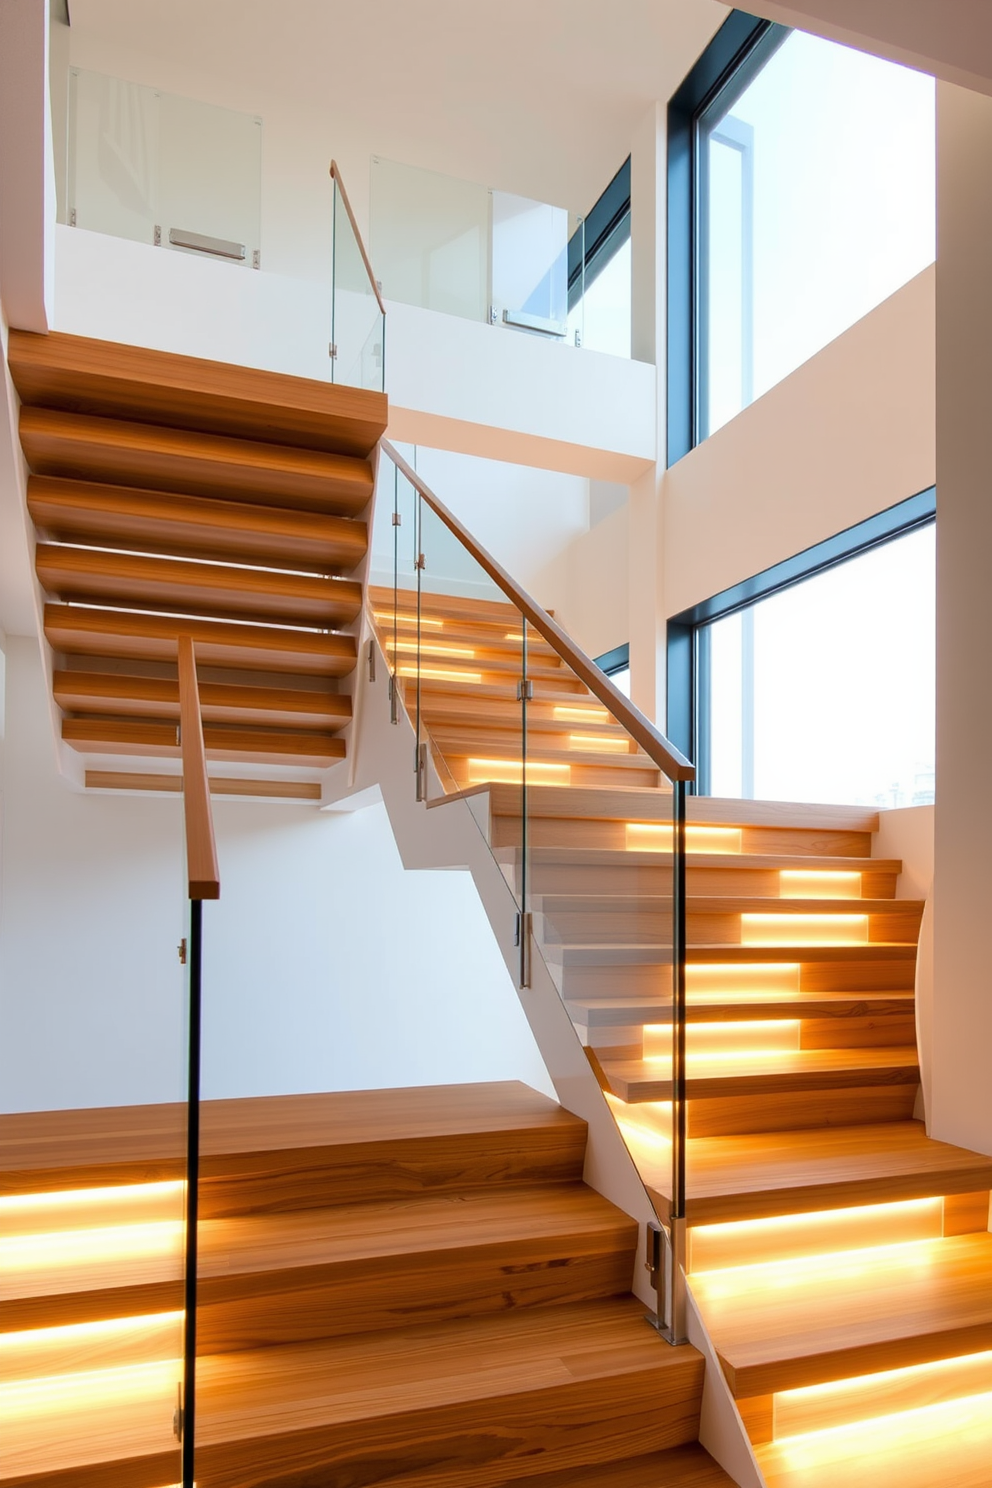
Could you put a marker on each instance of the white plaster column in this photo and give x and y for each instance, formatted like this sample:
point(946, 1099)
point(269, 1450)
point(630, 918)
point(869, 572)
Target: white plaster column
point(962, 1052)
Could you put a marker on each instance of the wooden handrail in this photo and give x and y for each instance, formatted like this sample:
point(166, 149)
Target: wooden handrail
point(201, 849)
point(655, 745)
point(336, 176)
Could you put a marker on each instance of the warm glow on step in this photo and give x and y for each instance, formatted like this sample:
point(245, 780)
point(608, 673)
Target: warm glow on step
point(703, 1039)
point(580, 715)
point(804, 930)
point(819, 1407)
point(511, 772)
point(92, 1246)
point(789, 1236)
point(433, 648)
point(128, 1385)
point(657, 837)
point(812, 883)
point(400, 619)
point(718, 977)
point(77, 1208)
point(897, 1265)
point(949, 1427)
point(39, 1352)
point(602, 743)
point(439, 674)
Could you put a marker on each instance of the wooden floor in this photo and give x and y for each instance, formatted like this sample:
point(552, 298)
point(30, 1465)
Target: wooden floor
point(396, 1287)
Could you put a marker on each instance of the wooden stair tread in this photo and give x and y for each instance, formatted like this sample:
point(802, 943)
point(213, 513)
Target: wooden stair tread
point(89, 575)
point(566, 954)
point(152, 457)
point(451, 1134)
point(790, 1172)
point(358, 1267)
point(194, 526)
point(610, 857)
point(158, 697)
point(708, 1077)
point(802, 1322)
point(718, 1007)
point(431, 1396)
point(716, 904)
point(640, 805)
point(84, 375)
point(148, 637)
point(159, 739)
point(951, 1446)
point(680, 1467)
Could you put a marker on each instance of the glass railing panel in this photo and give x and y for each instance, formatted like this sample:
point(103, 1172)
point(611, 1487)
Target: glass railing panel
point(358, 323)
point(429, 239)
point(163, 170)
point(530, 264)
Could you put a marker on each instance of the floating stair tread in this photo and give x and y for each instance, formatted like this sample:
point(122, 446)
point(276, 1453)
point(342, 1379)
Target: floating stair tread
point(949, 1444)
point(139, 780)
point(80, 630)
point(680, 1467)
point(441, 1398)
point(718, 1007)
point(158, 697)
point(794, 1070)
point(139, 736)
point(783, 1325)
point(366, 1265)
point(450, 1135)
point(160, 459)
point(566, 954)
point(703, 904)
point(194, 526)
point(790, 1172)
point(90, 575)
point(452, 606)
point(610, 857)
point(83, 375)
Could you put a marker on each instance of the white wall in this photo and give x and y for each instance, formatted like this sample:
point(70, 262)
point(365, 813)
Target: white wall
point(326, 965)
point(962, 1080)
point(586, 585)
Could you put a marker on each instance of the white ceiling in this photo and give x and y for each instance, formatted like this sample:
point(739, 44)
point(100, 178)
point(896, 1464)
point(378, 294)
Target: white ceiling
point(519, 94)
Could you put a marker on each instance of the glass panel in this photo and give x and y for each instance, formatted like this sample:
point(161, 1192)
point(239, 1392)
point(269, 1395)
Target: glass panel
point(606, 306)
point(358, 326)
point(817, 202)
point(153, 167)
point(430, 239)
point(800, 707)
point(530, 263)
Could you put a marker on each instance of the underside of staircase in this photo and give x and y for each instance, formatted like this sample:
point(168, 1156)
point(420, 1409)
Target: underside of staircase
point(177, 496)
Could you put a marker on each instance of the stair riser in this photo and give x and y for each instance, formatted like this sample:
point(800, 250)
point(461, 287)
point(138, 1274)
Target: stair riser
point(577, 982)
point(641, 879)
point(648, 927)
point(468, 1447)
point(594, 832)
point(365, 1297)
point(885, 1395)
point(832, 1033)
point(864, 1106)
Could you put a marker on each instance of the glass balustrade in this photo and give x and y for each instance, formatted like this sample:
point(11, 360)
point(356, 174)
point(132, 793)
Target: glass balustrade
point(358, 320)
point(163, 170)
point(578, 798)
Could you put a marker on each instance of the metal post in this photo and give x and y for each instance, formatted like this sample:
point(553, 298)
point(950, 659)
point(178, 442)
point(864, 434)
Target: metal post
point(188, 1410)
point(523, 694)
point(675, 1310)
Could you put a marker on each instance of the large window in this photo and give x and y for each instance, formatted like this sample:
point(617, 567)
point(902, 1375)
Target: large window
point(823, 688)
point(801, 175)
point(599, 286)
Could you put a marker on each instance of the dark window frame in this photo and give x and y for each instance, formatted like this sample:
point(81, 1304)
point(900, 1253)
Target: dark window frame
point(733, 58)
point(617, 660)
point(688, 723)
point(603, 233)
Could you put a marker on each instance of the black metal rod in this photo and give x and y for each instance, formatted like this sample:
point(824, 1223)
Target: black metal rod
point(192, 1191)
point(678, 1002)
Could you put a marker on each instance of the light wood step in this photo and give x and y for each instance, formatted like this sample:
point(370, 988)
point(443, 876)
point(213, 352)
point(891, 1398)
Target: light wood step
point(158, 698)
point(752, 1005)
point(718, 919)
point(275, 1153)
point(159, 740)
point(792, 1073)
point(151, 457)
point(477, 1402)
point(282, 1277)
point(82, 375)
point(680, 1467)
point(809, 1321)
point(80, 630)
point(194, 526)
point(181, 586)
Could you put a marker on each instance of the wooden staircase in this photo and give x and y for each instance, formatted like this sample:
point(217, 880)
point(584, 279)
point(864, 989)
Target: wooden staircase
point(397, 1287)
point(171, 494)
point(841, 1260)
